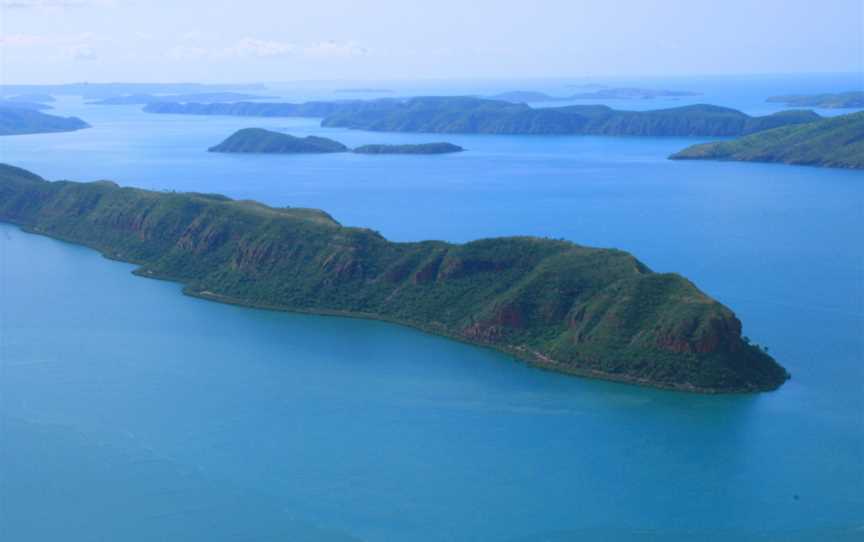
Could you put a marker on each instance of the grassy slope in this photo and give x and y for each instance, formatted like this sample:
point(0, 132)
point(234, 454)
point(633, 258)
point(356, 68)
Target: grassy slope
point(594, 312)
point(831, 142)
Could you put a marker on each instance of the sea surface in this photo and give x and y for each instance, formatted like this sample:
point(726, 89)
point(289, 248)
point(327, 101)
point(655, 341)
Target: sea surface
point(129, 412)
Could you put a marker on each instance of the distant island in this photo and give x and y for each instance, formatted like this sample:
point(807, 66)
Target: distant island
point(478, 116)
point(830, 142)
point(206, 97)
point(11, 103)
point(421, 148)
point(592, 312)
point(521, 96)
point(468, 115)
point(259, 140)
point(31, 98)
point(363, 91)
point(841, 100)
point(20, 121)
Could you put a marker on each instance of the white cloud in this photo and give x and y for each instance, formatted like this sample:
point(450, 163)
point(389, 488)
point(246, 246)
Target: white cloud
point(247, 47)
point(335, 49)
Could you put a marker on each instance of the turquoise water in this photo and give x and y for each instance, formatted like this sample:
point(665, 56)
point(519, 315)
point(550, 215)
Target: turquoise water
point(131, 412)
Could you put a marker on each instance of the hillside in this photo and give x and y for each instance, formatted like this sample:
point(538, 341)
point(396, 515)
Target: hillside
point(831, 142)
point(258, 140)
point(22, 120)
point(592, 312)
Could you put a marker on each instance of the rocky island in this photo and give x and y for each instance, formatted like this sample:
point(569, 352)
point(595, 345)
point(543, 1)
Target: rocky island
point(587, 311)
point(421, 148)
point(259, 140)
point(840, 100)
point(831, 142)
point(22, 120)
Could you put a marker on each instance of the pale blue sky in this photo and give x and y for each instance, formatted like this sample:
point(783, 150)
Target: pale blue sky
point(50, 41)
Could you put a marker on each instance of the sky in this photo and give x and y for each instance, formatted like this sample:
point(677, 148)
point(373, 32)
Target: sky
point(235, 41)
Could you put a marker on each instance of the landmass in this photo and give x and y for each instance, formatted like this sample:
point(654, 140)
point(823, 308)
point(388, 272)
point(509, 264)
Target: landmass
point(258, 140)
point(592, 312)
point(421, 148)
point(522, 96)
point(19, 121)
point(206, 97)
point(480, 116)
point(840, 100)
point(10, 103)
point(363, 91)
point(32, 98)
point(469, 115)
point(830, 142)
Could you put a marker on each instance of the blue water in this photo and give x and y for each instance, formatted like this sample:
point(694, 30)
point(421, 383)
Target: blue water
point(131, 412)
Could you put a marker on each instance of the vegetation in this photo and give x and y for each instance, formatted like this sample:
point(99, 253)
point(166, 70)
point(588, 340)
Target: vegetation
point(588, 311)
point(22, 120)
point(831, 142)
point(422, 148)
point(841, 100)
point(522, 96)
point(475, 115)
point(259, 140)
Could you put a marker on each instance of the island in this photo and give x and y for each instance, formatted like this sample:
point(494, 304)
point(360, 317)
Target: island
point(830, 142)
point(259, 140)
point(421, 148)
point(470, 115)
point(467, 115)
point(586, 311)
point(522, 96)
point(20, 121)
point(206, 97)
point(840, 100)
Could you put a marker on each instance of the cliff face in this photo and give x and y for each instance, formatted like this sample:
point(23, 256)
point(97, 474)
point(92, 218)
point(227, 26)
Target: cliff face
point(593, 312)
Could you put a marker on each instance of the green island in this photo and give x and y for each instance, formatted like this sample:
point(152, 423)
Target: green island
point(23, 120)
point(479, 116)
point(468, 115)
point(259, 140)
point(417, 148)
point(830, 142)
point(840, 100)
point(626, 93)
point(586, 311)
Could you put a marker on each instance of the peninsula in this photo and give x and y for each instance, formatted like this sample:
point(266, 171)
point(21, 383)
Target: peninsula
point(840, 100)
point(830, 142)
point(468, 115)
point(523, 96)
point(20, 120)
point(587, 311)
point(259, 140)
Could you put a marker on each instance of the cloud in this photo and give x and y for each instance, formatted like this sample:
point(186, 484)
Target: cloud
point(78, 51)
point(52, 4)
point(251, 47)
point(335, 49)
point(22, 40)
